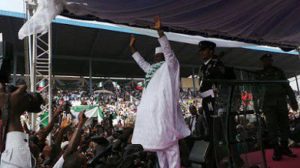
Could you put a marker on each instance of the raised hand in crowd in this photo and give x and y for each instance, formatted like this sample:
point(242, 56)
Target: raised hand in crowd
point(44, 132)
point(65, 122)
point(71, 157)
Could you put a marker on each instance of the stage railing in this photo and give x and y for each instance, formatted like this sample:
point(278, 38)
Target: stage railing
point(239, 125)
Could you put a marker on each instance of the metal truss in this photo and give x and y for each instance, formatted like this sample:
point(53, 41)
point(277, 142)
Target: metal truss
point(40, 66)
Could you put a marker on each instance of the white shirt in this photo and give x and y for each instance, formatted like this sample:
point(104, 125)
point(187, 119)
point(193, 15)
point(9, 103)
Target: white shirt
point(206, 62)
point(59, 163)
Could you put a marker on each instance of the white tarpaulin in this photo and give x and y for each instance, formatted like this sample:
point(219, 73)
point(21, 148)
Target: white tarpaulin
point(16, 8)
point(40, 22)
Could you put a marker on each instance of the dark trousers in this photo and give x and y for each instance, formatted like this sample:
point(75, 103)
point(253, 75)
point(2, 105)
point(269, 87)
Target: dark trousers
point(208, 105)
point(277, 123)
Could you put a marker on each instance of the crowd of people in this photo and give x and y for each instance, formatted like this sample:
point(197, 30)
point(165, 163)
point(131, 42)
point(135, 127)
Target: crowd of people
point(108, 143)
point(75, 142)
point(120, 103)
point(105, 144)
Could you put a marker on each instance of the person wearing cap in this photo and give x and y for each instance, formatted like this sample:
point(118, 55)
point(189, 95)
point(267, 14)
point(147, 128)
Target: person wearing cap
point(212, 68)
point(275, 106)
point(159, 121)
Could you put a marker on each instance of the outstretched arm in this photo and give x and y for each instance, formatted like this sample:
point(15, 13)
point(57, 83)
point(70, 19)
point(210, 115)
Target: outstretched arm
point(63, 126)
point(56, 147)
point(163, 41)
point(26, 128)
point(137, 57)
point(75, 140)
point(43, 133)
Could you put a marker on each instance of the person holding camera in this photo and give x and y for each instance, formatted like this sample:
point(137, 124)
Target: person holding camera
point(16, 152)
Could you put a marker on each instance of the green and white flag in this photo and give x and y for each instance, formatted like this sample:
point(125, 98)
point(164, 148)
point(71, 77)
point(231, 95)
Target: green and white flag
point(91, 111)
point(44, 119)
point(95, 112)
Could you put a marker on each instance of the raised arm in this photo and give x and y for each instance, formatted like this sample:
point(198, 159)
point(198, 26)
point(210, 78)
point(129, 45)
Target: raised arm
point(63, 126)
point(56, 146)
point(137, 56)
point(43, 133)
point(26, 128)
point(163, 41)
point(75, 140)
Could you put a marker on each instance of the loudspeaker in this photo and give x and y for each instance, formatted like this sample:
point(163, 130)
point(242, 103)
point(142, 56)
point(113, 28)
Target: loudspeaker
point(6, 55)
point(199, 152)
point(194, 165)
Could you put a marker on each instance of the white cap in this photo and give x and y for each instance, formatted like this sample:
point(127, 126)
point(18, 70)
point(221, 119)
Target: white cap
point(158, 50)
point(64, 144)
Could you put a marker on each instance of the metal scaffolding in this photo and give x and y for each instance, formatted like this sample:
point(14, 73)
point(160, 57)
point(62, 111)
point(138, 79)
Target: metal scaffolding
point(40, 65)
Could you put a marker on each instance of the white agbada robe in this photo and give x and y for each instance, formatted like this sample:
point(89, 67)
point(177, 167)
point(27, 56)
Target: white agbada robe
point(159, 122)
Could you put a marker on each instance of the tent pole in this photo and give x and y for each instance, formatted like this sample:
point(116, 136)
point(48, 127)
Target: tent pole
point(33, 75)
point(241, 75)
point(242, 78)
point(194, 85)
point(15, 69)
point(131, 100)
point(50, 80)
point(90, 77)
point(297, 84)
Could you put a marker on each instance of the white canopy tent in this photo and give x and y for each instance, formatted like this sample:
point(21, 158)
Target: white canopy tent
point(16, 8)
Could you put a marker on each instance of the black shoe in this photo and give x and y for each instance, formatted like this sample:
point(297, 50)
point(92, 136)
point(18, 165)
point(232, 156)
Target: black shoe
point(239, 162)
point(276, 154)
point(287, 152)
point(276, 157)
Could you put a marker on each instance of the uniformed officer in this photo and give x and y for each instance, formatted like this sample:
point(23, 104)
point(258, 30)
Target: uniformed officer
point(212, 68)
point(275, 107)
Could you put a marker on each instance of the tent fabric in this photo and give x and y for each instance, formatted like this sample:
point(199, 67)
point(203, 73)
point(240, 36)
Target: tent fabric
point(264, 21)
point(73, 47)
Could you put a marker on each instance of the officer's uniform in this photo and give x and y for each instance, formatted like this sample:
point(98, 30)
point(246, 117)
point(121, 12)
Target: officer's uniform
point(211, 69)
point(275, 103)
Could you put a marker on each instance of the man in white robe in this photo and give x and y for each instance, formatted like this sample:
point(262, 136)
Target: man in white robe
point(159, 121)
